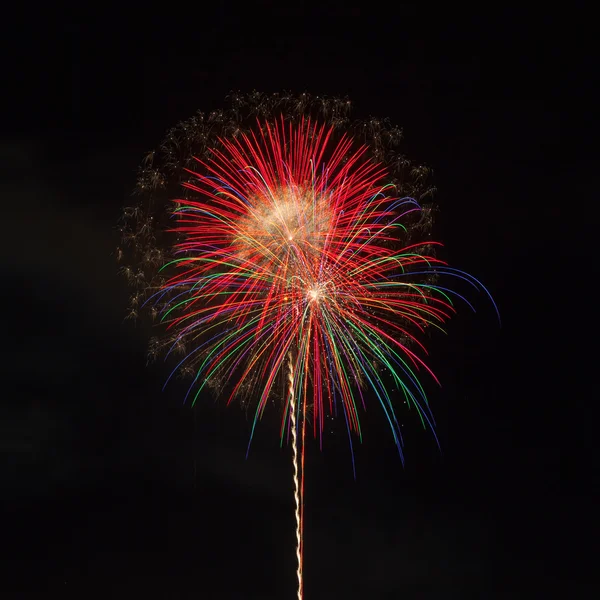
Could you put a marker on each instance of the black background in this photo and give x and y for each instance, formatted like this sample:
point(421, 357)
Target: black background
point(114, 489)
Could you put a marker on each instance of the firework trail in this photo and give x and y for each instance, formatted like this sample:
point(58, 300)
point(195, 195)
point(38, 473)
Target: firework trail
point(297, 481)
point(294, 234)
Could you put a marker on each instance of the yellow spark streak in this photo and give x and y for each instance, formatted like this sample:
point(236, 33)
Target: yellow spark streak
point(297, 497)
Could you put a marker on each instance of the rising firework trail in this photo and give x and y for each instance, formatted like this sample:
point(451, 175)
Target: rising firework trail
point(297, 480)
point(280, 246)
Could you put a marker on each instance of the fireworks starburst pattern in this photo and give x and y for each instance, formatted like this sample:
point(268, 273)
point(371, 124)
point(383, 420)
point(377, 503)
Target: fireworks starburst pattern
point(282, 247)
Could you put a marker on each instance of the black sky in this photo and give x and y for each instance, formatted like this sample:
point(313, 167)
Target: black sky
point(114, 489)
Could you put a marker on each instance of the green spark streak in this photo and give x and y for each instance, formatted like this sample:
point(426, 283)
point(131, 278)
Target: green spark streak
point(365, 366)
point(235, 349)
point(340, 366)
point(375, 349)
point(384, 259)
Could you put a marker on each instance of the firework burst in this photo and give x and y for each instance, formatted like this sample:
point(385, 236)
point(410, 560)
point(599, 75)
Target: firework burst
point(295, 256)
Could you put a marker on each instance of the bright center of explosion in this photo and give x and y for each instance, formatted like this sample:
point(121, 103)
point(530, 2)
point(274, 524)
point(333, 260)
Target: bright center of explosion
point(313, 294)
point(286, 219)
point(284, 234)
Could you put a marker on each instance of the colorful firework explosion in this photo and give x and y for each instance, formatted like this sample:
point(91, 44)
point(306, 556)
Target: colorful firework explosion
point(295, 246)
point(297, 251)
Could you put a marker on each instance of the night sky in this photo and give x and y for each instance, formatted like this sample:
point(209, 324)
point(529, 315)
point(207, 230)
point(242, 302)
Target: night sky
point(112, 488)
